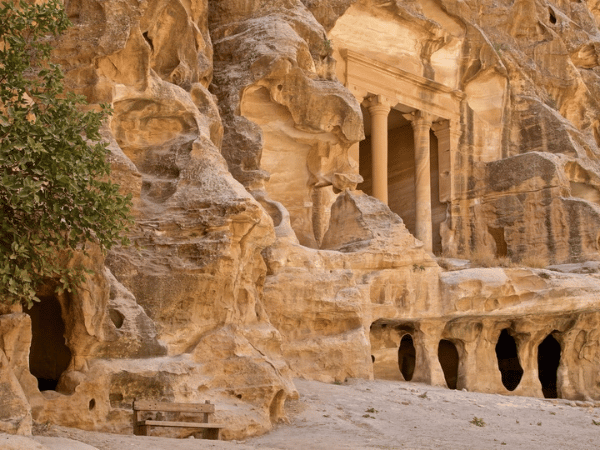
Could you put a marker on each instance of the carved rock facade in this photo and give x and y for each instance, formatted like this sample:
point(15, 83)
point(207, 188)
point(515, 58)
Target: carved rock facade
point(243, 129)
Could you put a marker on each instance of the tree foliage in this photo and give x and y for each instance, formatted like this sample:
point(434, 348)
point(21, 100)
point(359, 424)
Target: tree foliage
point(55, 191)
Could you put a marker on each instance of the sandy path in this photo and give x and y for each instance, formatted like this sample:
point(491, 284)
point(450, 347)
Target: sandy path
point(393, 415)
point(362, 414)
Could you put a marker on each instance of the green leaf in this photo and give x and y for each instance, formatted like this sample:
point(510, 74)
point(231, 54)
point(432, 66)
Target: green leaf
point(51, 201)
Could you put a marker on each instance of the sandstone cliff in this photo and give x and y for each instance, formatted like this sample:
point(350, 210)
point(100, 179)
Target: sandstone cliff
point(243, 130)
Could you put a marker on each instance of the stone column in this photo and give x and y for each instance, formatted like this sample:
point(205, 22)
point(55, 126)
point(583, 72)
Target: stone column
point(421, 123)
point(379, 108)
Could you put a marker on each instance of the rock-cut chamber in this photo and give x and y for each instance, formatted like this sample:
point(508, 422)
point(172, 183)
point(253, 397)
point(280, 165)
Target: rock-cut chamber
point(407, 357)
point(548, 362)
point(508, 361)
point(448, 357)
point(49, 355)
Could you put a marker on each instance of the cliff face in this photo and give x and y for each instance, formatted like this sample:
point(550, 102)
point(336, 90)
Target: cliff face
point(236, 128)
point(523, 175)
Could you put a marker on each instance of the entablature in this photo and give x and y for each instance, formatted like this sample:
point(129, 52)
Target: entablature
point(405, 90)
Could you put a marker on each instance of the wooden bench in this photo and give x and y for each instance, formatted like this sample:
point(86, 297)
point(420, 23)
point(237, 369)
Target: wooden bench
point(141, 427)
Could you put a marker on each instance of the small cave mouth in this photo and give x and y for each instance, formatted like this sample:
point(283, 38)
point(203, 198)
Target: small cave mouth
point(548, 361)
point(552, 16)
point(508, 361)
point(116, 317)
point(49, 355)
point(407, 357)
point(448, 357)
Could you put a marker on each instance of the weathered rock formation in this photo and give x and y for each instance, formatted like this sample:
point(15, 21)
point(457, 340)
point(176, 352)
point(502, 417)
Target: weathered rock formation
point(243, 129)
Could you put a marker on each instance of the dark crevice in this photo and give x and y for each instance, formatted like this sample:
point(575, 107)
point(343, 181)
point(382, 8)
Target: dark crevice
point(148, 40)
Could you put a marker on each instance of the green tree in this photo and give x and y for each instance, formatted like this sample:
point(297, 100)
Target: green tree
point(55, 191)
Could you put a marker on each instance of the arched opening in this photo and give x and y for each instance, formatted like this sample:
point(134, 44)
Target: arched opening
point(385, 336)
point(548, 361)
point(406, 357)
point(49, 356)
point(508, 361)
point(448, 357)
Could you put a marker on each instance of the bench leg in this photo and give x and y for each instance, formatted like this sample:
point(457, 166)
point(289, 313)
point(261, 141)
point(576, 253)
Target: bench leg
point(211, 433)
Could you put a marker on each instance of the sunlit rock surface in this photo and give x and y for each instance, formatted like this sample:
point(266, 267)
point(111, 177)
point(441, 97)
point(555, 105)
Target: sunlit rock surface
point(243, 132)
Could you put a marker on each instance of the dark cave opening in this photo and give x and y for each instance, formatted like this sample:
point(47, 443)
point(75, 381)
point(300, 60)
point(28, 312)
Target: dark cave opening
point(508, 361)
point(548, 361)
point(49, 355)
point(406, 357)
point(448, 357)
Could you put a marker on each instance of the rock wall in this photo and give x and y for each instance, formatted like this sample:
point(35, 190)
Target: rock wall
point(527, 74)
point(254, 257)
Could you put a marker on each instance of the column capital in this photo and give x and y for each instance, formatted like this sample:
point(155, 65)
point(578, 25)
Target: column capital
point(378, 104)
point(359, 93)
point(446, 127)
point(440, 126)
point(419, 119)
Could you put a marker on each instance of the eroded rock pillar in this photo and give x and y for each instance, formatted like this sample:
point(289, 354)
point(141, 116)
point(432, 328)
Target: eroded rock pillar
point(427, 365)
point(354, 150)
point(379, 108)
point(421, 123)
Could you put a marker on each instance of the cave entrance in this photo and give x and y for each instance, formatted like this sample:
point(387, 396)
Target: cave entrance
point(448, 357)
point(49, 355)
point(508, 361)
point(407, 357)
point(548, 360)
point(401, 173)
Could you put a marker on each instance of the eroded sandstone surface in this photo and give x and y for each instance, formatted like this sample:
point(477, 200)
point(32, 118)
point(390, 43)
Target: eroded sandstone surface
point(304, 175)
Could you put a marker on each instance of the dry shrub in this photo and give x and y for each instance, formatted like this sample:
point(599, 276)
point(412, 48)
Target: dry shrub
point(534, 261)
point(479, 258)
point(482, 258)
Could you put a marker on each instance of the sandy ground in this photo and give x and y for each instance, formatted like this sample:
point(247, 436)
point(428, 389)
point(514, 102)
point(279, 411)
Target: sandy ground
point(362, 414)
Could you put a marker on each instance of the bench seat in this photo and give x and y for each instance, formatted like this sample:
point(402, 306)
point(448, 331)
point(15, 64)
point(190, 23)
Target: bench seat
point(141, 426)
point(167, 423)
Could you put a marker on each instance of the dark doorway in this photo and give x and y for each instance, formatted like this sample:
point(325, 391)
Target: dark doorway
point(548, 361)
point(406, 357)
point(49, 356)
point(508, 361)
point(501, 246)
point(448, 357)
